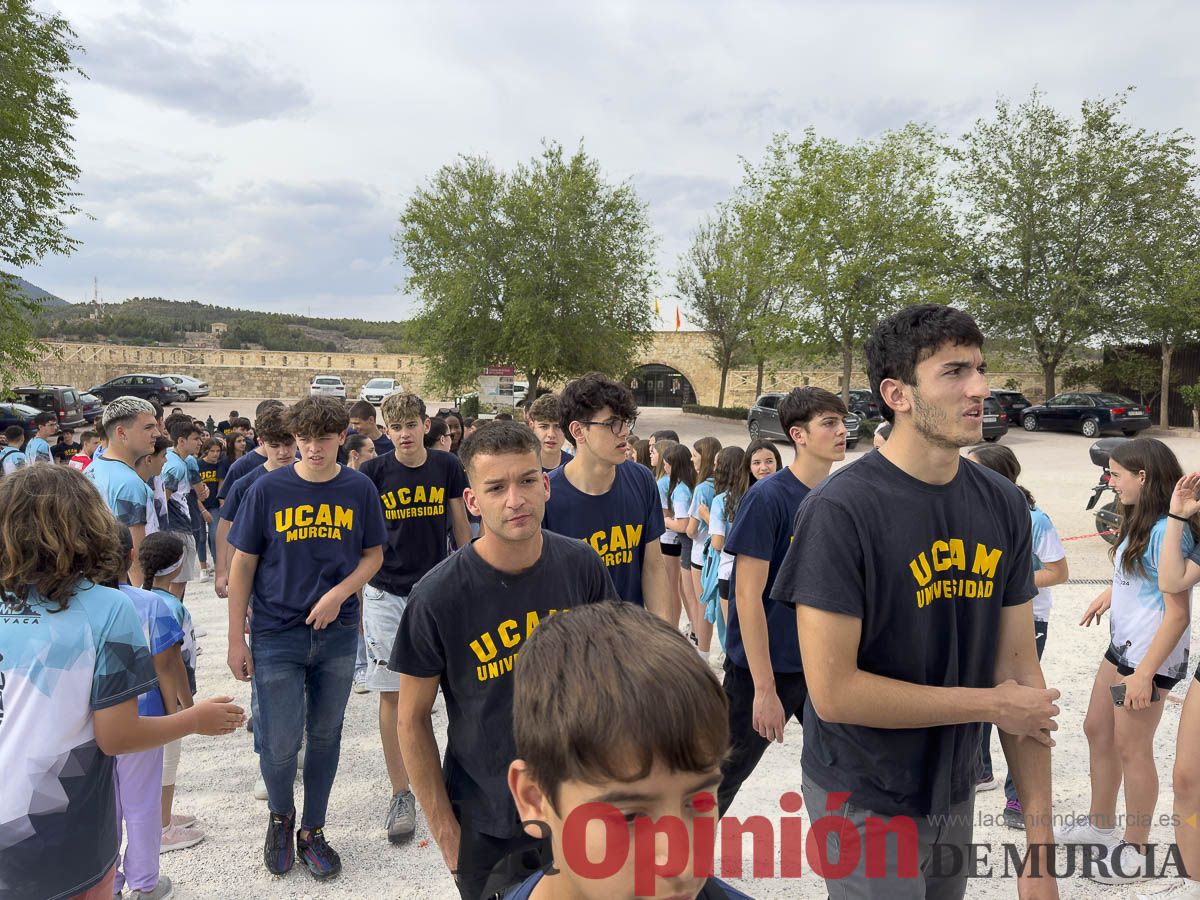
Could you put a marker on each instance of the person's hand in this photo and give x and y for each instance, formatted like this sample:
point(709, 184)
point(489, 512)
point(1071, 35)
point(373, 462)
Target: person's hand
point(1026, 711)
point(448, 840)
point(325, 610)
point(1183, 498)
point(1138, 691)
point(768, 715)
point(241, 664)
point(221, 585)
point(1098, 608)
point(218, 715)
point(703, 510)
point(201, 491)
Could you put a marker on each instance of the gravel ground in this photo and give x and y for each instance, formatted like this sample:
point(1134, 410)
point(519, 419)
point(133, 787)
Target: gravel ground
point(217, 774)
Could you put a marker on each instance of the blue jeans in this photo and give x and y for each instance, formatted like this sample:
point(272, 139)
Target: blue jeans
point(985, 734)
point(291, 667)
point(198, 532)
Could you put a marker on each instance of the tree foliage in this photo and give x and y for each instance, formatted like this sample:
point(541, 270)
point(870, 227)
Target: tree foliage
point(37, 167)
point(546, 268)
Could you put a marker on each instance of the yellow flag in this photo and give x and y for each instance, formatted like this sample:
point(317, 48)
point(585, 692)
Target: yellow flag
point(656, 312)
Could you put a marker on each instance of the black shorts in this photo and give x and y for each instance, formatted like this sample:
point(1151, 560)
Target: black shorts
point(698, 567)
point(671, 549)
point(1162, 682)
point(723, 591)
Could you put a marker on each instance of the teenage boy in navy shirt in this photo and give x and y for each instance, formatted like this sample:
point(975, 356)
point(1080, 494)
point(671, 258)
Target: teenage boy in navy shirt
point(421, 491)
point(306, 540)
point(600, 498)
point(763, 676)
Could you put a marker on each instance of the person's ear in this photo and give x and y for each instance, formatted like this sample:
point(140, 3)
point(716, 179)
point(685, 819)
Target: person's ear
point(471, 502)
point(895, 394)
point(533, 807)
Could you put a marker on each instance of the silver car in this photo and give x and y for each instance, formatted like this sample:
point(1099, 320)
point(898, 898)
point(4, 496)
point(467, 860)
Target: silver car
point(187, 387)
point(328, 385)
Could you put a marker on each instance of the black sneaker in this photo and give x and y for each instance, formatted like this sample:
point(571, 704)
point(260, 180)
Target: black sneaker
point(279, 853)
point(321, 859)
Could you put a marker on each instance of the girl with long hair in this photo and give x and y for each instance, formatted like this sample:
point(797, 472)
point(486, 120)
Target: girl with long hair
point(729, 484)
point(704, 456)
point(237, 447)
point(681, 481)
point(1147, 656)
point(359, 449)
point(762, 460)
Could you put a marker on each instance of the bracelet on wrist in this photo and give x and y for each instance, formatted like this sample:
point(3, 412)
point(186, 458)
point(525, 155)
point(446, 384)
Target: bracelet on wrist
point(1172, 515)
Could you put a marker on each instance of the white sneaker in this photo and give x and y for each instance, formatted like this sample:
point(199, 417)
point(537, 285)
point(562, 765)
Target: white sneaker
point(1082, 831)
point(203, 576)
point(987, 784)
point(175, 837)
point(260, 789)
point(1180, 890)
point(199, 632)
point(1124, 865)
point(360, 687)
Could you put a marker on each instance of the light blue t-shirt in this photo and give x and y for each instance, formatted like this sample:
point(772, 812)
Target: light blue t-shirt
point(718, 524)
point(702, 496)
point(37, 450)
point(58, 833)
point(162, 632)
point(175, 480)
point(123, 491)
point(11, 459)
point(681, 502)
point(1047, 548)
point(668, 536)
point(184, 620)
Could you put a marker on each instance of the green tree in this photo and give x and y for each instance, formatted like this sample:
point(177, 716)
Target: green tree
point(546, 268)
point(37, 168)
point(1046, 203)
point(864, 229)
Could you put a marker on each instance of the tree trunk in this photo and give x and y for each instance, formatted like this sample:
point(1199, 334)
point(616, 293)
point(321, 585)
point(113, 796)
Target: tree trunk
point(1164, 392)
point(758, 384)
point(1196, 418)
point(1048, 372)
point(531, 394)
point(724, 377)
point(847, 366)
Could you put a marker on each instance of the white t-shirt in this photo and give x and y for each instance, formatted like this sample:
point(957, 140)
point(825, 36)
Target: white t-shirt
point(668, 536)
point(718, 525)
point(1047, 548)
point(1138, 606)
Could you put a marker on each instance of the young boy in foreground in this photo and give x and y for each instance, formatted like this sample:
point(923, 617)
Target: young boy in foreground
point(620, 732)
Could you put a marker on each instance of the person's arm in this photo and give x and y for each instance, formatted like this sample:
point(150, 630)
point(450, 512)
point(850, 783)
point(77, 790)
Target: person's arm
point(241, 580)
point(1028, 756)
point(327, 608)
point(750, 580)
point(459, 524)
point(224, 557)
point(693, 527)
point(717, 542)
point(1177, 619)
point(1175, 572)
point(119, 729)
point(168, 681)
point(843, 693)
point(179, 677)
point(418, 745)
point(1051, 573)
point(655, 587)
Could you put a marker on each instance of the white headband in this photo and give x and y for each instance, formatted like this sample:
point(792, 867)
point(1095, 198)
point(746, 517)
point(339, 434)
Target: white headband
point(174, 567)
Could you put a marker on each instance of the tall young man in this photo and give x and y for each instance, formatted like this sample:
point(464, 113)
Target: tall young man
point(422, 495)
point(306, 540)
point(915, 629)
point(38, 448)
point(130, 428)
point(362, 420)
point(597, 499)
point(764, 679)
point(545, 419)
point(516, 575)
point(178, 487)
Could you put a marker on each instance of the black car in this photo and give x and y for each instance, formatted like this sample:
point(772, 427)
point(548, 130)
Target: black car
point(60, 399)
point(1090, 414)
point(995, 423)
point(1013, 403)
point(18, 414)
point(763, 421)
point(145, 386)
point(91, 406)
point(864, 405)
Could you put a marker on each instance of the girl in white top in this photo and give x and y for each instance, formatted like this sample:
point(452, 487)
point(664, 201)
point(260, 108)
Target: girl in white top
point(1147, 656)
point(729, 486)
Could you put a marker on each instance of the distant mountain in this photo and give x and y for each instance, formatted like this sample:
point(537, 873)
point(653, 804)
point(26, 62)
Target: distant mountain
point(33, 292)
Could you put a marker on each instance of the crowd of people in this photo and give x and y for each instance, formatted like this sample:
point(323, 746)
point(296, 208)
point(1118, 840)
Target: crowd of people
point(571, 592)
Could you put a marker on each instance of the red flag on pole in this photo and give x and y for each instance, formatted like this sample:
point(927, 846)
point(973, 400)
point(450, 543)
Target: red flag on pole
point(677, 321)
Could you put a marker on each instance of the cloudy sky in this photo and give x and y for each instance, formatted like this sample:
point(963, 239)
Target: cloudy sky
point(257, 154)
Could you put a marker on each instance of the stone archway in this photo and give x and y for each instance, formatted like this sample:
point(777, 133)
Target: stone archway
point(655, 384)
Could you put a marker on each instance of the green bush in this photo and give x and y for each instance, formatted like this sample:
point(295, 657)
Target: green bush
point(469, 408)
point(724, 412)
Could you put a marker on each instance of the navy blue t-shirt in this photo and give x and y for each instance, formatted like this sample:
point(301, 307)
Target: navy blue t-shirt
point(308, 537)
point(383, 445)
point(763, 529)
point(239, 467)
point(618, 524)
point(238, 493)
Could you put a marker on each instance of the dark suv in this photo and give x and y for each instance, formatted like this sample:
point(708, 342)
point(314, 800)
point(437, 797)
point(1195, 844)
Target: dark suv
point(863, 404)
point(1013, 403)
point(60, 399)
point(145, 386)
point(763, 421)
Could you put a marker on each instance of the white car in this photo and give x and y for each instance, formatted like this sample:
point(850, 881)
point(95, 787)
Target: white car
point(187, 387)
point(375, 390)
point(327, 385)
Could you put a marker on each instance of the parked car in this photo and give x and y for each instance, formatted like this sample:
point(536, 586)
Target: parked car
point(1013, 403)
point(1090, 414)
point(327, 385)
point(520, 391)
point(141, 384)
point(763, 421)
point(60, 399)
point(864, 405)
point(91, 406)
point(188, 388)
point(377, 388)
point(18, 414)
point(995, 423)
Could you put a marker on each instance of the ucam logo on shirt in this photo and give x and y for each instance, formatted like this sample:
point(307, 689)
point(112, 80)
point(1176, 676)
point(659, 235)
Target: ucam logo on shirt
point(951, 556)
point(305, 522)
point(509, 635)
point(415, 502)
point(616, 545)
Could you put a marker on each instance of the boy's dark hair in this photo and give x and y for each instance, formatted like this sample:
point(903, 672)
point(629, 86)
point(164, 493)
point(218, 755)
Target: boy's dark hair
point(504, 417)
point(262, 407)
point(243, 422)
point(162, 443)
point(402, 407)
point(14, 433)
point(497, 438)
point(271, 428)
point(903, 340)
point(233, 413)
point(438, 429)
point(66, 431)
point(468, 422)
point(665, 434)
point(585, 396)
point(182, 430)
point(209, 443)
point(44, 418)
point(315, 417)
point(157, 552)
point(362, 410)
point(545, 409)
point(799, 406)
point(605, 691)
